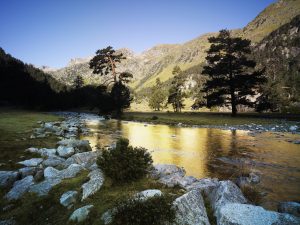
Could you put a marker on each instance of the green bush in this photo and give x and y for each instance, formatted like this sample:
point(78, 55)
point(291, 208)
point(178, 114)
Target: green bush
point(153, 211)
point(125, 163)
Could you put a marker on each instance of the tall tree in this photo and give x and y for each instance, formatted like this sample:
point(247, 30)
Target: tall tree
point(176, 94)
point(232, 79)
point(105, 63)
point(157, 96)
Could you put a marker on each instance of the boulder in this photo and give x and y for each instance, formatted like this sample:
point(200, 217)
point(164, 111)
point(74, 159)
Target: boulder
point(8, 222)
point(69, 172)
point(144, 195)
point(290, 207)
point(27, 171)
point(45, 186)
point(65, 152)
point(190, 209)
point(47, 152)
point(86, 159)
point(19, 188)
point(79, 145)
point(68, 198)
point(161, 170)
point(51, 172)
point(205, 185)
point(31, 162)
point(54, 161)
point(226, 192)
point(93, 185)
point(244, 214)
point(79, 215)
point(107, 217)
point(7, 178)
point(175, 179)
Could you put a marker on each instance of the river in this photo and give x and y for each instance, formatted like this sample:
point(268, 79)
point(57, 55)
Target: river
point(207, 152)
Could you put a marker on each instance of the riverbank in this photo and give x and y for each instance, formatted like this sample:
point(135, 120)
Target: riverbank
point(63, 178)
point(243, 121)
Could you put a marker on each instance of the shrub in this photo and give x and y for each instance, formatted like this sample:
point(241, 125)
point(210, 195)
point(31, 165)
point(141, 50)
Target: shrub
point(153, 211)
point(125, 163)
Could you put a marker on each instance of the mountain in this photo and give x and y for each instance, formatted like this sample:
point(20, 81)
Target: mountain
point(279, 54)
point(160, 60)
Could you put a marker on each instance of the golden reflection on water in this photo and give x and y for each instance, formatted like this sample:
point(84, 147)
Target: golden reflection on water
point(199, 151)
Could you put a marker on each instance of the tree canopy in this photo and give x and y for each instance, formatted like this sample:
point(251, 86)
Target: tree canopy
point(232, 78)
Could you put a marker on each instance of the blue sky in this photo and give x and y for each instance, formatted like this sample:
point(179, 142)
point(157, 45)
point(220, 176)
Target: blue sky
point(51, 32)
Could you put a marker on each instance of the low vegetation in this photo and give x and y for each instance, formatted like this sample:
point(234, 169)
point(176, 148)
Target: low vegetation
point(125, 163)
point(252, 193)
point(153, 211)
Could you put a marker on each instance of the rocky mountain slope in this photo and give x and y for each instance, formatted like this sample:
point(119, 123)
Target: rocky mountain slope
point(159, 60)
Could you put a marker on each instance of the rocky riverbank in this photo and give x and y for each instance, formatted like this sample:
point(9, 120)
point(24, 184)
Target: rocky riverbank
point(71, 156)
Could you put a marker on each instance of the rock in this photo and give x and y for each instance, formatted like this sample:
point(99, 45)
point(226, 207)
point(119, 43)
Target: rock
point(39, 176)
point(293, 128)
point(205, 185)
point(27, 171)
point(7, 178)
point(51, 172)
point(32, 150)
point(190, 209)
point(290, 207)
point(79, 145)
point(65, 152)
point(8, 222)
point(243, 214)
point(19, 188)
point(68, 198)
point(54, 161)
point(47, 152)
point(86, 159)
point(70, 172)
point(226, 192)
point(161, 170)
point(175, 179)
point(144, 195)
point(81, 214)
point(107, 217)
point(93, 185)
point(253, 178)
point(31, 162)
point(296, 142)
point(45, 186)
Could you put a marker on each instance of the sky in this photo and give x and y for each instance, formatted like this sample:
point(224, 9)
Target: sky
point(51, 32)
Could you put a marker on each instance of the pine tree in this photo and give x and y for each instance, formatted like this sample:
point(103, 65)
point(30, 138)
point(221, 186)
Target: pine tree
point(157, 96)
point(105, 63)
point(232, 78)
point(176, 94)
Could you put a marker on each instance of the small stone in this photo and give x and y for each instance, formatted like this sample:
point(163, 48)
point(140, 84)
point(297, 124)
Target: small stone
point(7, 178)
point(31, 162)
point(65, 151)
point(68, 198)
point(79, 215)
point(19, 188)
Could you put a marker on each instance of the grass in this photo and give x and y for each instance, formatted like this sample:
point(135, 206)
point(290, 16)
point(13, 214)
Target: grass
point(207, 118)
point(34, 210)
point(15, 129)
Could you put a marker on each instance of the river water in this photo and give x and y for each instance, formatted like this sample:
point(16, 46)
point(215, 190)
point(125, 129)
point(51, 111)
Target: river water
point(207, 152)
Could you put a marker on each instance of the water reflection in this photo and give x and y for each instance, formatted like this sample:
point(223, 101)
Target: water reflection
point(218, 153)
